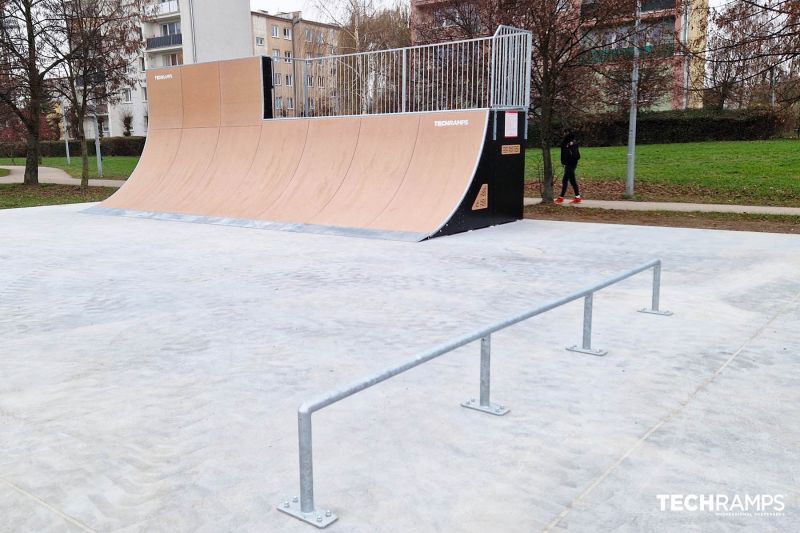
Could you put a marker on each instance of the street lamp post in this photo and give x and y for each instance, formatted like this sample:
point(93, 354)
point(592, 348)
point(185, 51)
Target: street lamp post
point(634, 103)
point(97, 151)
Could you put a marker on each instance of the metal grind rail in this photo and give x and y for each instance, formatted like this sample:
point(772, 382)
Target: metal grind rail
point(304, 508)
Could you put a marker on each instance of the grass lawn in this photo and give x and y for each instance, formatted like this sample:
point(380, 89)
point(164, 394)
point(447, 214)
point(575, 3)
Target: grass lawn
point(18, 195)
point(745, 172)
point(114, 168)
point(4, 172)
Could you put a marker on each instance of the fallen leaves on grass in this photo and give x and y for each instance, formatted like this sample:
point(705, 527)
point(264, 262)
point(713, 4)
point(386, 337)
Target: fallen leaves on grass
point(721, 221)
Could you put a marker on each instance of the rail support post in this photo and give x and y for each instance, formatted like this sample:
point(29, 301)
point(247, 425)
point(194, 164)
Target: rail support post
point(484, 404)
point(586, 345)
point(654, 310)
point(303, 508)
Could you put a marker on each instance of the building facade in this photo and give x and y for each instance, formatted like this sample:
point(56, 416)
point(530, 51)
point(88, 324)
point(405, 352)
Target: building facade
point(285, 37)
point(672, 24)
point(177, 32)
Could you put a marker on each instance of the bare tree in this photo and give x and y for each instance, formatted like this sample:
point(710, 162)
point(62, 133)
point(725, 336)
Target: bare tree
point(45, 42)
point(27, 56)
point(364, 27)
point(450, 21)
point(567, 40)
point(752, 53)
point(102, 38)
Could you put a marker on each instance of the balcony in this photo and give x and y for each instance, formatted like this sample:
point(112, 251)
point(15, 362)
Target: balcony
point(657, 5)
point(162, 9)
point(165, 41)
point(590, 7)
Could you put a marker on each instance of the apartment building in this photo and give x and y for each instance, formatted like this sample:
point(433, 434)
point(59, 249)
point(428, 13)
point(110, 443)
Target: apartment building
point(286, 37)
point(670, 23)
point(177, 32)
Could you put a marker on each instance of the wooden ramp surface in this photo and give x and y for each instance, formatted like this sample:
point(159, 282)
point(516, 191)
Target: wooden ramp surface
point(209, 154)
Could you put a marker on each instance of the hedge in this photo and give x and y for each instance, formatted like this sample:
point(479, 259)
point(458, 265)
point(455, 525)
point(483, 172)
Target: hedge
point(110, 146)
point(664, 127)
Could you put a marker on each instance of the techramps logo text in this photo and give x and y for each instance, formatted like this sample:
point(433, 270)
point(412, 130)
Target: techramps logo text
point(450, 123)
point(163, 77)
point(724, 504)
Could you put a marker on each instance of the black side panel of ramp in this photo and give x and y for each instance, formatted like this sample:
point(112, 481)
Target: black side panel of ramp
point(497, 190)
point(267, 81)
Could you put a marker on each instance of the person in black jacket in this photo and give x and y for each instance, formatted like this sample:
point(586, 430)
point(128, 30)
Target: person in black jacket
point(570, 154)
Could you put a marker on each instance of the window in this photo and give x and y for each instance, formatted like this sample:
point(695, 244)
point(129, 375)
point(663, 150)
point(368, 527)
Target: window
point(259, 41)
point(309, 35)
point(146, 122)
point(275, 31)
point(172, 60)
point(320, 38)
point(276, 79)
point(172, 28)
point(144, 94)
point(279, 102)
point(287, 34)
point(287, 56)
point(289, 80)
point(290, 103)
point(309, 81)
point(321, 82)
point(276, 54)
point(126, 96)
point(311, 103)
point(142, 66)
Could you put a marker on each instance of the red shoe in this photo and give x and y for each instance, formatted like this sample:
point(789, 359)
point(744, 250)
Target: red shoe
point(559, 200)
point(576, 200)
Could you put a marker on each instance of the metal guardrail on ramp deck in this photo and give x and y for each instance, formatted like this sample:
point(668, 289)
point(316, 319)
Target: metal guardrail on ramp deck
point(303, 507)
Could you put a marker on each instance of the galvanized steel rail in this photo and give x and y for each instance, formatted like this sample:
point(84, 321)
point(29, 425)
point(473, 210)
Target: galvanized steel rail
point(304, 508)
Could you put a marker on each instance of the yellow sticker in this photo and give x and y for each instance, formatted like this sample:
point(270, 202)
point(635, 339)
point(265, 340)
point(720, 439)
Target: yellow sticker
point(511, 149)
point(482, 200)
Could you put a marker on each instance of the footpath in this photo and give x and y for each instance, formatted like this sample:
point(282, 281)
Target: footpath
point(626, 205)
point(54, 175)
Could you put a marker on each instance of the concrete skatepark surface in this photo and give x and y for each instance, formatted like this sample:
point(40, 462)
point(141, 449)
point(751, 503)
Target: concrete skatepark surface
point(151, 373)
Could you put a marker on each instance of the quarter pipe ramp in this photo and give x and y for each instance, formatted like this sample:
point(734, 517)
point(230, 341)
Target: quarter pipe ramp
point(212, 156)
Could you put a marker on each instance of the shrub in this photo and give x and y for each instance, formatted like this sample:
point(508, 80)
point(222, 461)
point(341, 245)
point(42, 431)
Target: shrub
point(111, 146)
point(664, 127)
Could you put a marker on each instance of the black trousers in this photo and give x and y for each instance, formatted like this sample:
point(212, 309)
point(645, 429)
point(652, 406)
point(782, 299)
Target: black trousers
point(569, 178)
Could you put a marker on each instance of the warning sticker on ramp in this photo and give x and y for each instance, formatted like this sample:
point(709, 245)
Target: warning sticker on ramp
point(511, 149)
point(482, 201)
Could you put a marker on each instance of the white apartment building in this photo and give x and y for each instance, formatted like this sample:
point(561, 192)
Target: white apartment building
point(178, 32)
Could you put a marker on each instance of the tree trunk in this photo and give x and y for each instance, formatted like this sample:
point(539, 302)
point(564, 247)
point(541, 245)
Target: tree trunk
point(84, 156)
point(32, 159)
point(546, 132)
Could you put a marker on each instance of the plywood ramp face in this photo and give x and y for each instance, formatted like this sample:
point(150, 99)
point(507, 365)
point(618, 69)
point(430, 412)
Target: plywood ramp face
point(192, 160)
point(159, 152)
point(241, 92)
point(165, 95)
point(201, 95)
point(277, 157)
point(444, 162)
point(381, 160)
point(227, 172)
point(329, 150)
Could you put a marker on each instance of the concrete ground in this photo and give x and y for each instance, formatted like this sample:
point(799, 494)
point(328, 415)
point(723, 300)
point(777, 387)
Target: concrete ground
point(151, 373)
point(627, 205)
point(54, 175)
